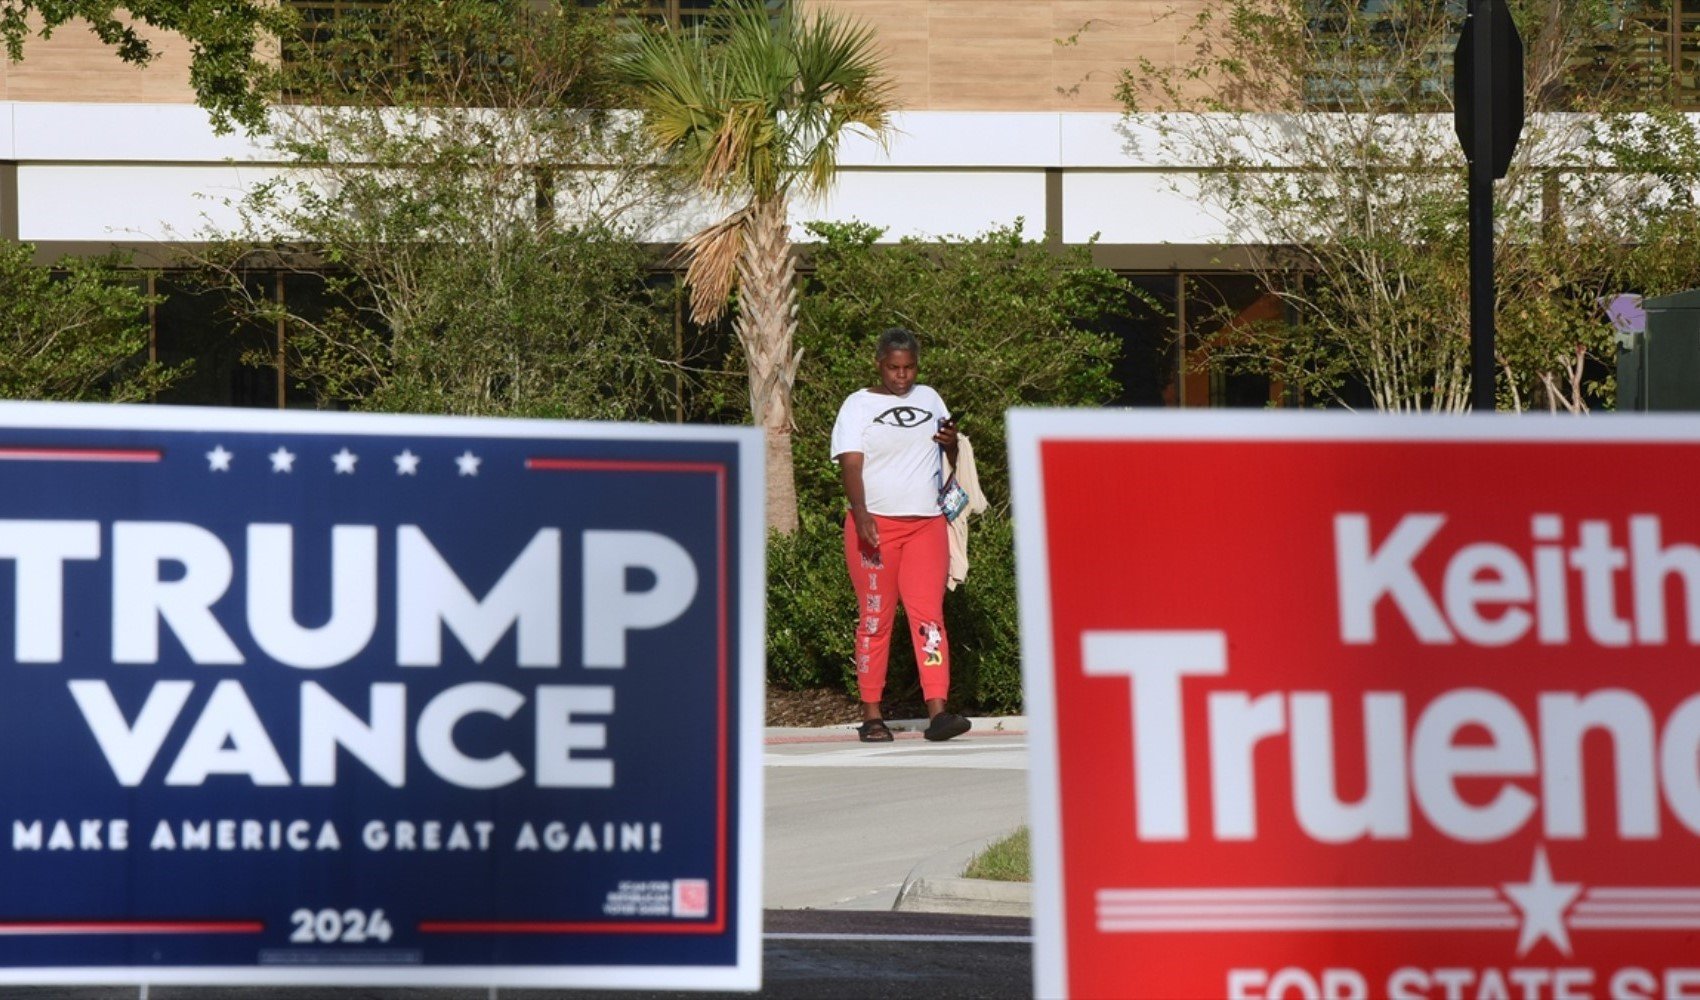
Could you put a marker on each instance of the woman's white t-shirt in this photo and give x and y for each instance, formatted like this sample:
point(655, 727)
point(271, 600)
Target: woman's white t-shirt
point(900, 459)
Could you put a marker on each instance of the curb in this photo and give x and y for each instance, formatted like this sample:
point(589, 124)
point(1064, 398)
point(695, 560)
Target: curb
point(936, 885)
point(998, 725)
point(1002, 725)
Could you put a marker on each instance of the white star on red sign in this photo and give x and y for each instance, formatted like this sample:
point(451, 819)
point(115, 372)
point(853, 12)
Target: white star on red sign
point(1543, 903)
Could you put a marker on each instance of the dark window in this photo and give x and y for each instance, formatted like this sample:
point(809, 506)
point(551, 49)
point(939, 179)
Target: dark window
point(340, 45)
point(196, 325)
point(1400, 52)
point(1147, 367)
point(370, 50)
point(1166, 341)
point(305, 298)
point(1385, 53)
point(1649, 48)
point(676, 12)
point(1218, 306)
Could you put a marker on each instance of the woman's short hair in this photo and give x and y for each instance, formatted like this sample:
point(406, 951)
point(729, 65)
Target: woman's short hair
point(897, 339)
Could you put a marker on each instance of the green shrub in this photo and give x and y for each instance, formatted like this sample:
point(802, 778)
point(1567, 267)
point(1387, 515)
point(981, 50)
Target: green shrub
point(75, 331)
point(811, 609)
point(985, 641)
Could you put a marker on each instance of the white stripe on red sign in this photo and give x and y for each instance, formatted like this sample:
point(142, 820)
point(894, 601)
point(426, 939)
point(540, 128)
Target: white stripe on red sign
point(1333, 894)
point(1301, 908)
point(1629, 908)
point(1334, 908)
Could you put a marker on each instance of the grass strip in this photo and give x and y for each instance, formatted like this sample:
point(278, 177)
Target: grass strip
point(1006, 860)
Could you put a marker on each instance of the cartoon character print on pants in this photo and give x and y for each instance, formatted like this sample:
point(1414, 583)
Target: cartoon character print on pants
point(931, 637)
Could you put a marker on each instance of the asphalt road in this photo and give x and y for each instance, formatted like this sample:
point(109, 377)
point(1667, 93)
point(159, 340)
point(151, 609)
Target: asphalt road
point(819, 954)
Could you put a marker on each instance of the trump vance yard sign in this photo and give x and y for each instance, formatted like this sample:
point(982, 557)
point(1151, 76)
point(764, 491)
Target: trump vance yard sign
point(319, 698)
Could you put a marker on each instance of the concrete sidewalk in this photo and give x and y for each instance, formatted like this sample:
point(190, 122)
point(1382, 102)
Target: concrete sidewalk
point(891, 826)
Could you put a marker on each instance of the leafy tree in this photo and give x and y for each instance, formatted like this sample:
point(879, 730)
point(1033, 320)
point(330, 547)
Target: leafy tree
point(750, 107)
point(226, 38)
point(1325, 137)
point(465, 268)
point(1003, 322)
point(76, 331)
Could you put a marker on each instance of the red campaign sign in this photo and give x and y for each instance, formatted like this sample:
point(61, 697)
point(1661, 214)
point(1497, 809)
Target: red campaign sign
point(1353, 706)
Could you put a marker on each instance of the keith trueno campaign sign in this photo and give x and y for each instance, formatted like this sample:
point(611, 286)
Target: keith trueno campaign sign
point(1343, 706)
point(319, 698)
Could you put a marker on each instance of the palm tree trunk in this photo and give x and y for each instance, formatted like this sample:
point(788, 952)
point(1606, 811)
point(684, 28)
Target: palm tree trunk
point(766, 324)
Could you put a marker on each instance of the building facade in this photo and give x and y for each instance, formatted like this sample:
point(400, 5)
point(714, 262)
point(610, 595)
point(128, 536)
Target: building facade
point(1008, 113)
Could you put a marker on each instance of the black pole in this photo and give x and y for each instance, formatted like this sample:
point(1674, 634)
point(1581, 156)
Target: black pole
point(1482, 294)
point(1482, 367)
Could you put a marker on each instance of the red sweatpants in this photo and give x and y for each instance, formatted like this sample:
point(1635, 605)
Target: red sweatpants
point(909, 567)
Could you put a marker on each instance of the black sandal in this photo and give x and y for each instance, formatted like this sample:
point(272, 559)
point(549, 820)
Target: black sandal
point(947, 725)
point(875, 731)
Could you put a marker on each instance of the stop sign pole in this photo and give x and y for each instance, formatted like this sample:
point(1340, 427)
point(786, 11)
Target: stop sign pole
point(1487, 75)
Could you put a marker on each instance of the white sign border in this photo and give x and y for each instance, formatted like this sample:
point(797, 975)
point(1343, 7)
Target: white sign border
point(751, 557)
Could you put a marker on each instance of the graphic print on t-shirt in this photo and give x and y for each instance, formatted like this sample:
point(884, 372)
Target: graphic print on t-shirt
point(904, 416)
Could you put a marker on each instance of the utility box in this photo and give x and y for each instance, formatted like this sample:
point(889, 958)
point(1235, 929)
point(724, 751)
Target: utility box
point(1662, 371)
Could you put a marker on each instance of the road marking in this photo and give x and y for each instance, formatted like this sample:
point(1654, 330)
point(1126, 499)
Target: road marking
point(1002, 757)
point(931, 938)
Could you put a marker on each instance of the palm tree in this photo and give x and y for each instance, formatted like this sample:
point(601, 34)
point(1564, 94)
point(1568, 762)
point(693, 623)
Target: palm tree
point(750, 105)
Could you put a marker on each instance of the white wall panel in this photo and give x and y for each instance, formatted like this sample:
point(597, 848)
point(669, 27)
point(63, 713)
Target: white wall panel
point(961, 138)
point(129, 203)
point(172, 133)
point(1103, 140)
point(1134, 208)
point(932, 204)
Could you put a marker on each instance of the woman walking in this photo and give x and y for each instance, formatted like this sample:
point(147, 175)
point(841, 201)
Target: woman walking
point(888, 441)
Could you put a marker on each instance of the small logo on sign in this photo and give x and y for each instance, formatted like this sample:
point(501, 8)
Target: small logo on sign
point(690, 897)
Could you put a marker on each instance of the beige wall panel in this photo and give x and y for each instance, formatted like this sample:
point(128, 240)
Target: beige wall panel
point(901, 26)
point(1099, 39)
point(1019, 55)
point(74, 65)
point(991, 57)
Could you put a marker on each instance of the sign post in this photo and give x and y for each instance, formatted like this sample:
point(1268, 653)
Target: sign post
point(1403, 721)
point(1487, 74)
point(302, 698)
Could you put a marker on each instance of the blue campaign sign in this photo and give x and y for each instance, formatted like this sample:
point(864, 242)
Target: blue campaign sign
point(356, 699)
